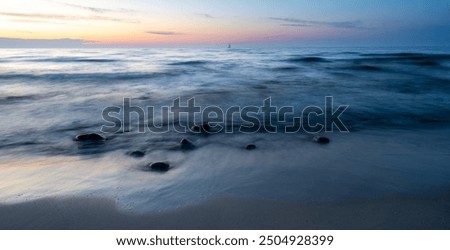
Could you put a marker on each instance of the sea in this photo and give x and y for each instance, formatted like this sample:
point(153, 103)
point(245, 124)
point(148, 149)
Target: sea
point(396, 143)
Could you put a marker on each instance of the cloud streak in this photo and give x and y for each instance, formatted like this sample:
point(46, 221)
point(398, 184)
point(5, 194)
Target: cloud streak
point(42, 43)
point(293, 22)
point(63, 17)
point(164, 33)
point(205, 15)
point(94, 9)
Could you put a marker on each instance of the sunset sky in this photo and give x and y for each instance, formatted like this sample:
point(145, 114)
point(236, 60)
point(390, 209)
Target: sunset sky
point(60, 23)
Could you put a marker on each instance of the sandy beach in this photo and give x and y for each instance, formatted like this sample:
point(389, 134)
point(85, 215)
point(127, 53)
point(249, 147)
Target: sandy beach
point(234, 213)
point(371, 181)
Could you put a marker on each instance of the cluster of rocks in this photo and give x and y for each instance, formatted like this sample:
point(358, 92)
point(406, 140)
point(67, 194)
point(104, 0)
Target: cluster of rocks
point(184, 144)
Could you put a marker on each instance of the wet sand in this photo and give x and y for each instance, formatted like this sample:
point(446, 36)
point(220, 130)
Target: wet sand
point(234, 213)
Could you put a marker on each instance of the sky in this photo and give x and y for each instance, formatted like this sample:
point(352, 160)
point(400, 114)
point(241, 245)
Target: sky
point(141, 23)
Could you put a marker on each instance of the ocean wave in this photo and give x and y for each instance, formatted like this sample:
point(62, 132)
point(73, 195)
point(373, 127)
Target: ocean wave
point(119, 76)
point(17, 98)
point(396, 119)
point(307, 59)
point(285, 68)
point(411, 58)
point(363, 67)
point(189, 63)
point(73, 60)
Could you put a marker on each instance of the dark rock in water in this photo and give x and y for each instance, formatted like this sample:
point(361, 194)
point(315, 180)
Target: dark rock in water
point(159, 166)
point(137, 154)
point(250, 147)
point(196, 128)
point(90, 143)
point(321, 139)
point(186, 144)
point(90, 137)
point(201, 128)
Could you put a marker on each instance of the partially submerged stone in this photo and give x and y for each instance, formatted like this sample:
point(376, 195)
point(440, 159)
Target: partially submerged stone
point(93, 137)
point(159, 166)
point(321, 139)
point(137, 154)
point(186, 144)
point(204, 128)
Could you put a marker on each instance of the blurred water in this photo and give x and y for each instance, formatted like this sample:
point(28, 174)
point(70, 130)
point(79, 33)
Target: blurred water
point(47, 97)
